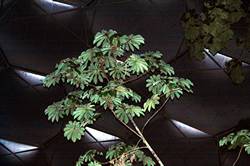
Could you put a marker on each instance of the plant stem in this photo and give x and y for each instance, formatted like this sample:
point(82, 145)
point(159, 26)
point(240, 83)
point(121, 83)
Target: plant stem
point(235, 162)
point(134, 79)
point(155, 113)
point(146, 143)
point(124, 124)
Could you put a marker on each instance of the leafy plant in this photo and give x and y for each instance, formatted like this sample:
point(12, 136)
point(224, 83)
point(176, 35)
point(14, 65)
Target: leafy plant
point(212, 29)
point(99, 77)
point(240, 139)
point(235, 71)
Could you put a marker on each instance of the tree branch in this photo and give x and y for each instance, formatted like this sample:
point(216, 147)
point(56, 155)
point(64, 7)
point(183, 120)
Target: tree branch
point(155, 113)
point(124, 124)
point(138, 142)
point(126, 153)
point(146, 142)
point(235, 162)
point(134, 79)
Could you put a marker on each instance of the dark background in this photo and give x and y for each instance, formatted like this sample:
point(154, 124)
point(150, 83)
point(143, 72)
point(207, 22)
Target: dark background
point(36, 34)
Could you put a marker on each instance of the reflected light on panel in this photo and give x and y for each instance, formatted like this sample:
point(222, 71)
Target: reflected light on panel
point(16, 147)
point(101, 136)
point(59, 3)
point(32, 78)
point(222, 59)
point(226, 59)
point(188, 130)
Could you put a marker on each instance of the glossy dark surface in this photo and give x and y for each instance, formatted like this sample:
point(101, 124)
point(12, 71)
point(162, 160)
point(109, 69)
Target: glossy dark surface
point(36, 34)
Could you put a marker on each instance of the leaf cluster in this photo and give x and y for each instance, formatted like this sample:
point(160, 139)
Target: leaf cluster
point(238, 139)
point(169, 86)
point(211, 29)
point(98, 77)
point(117, 155)
point(235, 71)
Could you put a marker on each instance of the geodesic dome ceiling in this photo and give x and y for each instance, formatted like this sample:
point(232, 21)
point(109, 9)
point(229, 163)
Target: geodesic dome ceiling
point(37, 34)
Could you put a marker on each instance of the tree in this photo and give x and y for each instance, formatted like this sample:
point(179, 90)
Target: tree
point(213, 28)
point(237, 139)
point(99, 77)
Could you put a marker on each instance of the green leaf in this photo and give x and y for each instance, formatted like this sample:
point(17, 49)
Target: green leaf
point(74, 131)
point(156, 54)
point(123, 92)
point(109, 62)
point(247, 148)
point(79, 163)
point(88, 55)
point(99, 38)
point(69, 71)
point(55, 111)
point(94, 163)
point(119, 71)
point(166, 69)
point(134, 111)
point(51, 80)
point(117, 150)
point(148, 161)
point(155, 84)
point(122, 115)
point(110, 101)
point(135, 97)
point(95, 73)
point(89, 157)
point(152, 59)
point(185, 83)
point(141, 157)
point(84, 112)
point(69, 104)
point(238, 139)
point(131, 42)
point(151, 103)
point(176, 93)
point(137, 64)
point(95, 98)
point(165, 89)
point(103, 38)
point(226, 140)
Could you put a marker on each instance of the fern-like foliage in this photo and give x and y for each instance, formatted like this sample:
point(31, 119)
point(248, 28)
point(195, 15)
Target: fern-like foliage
point(237, 139)
point(99, 77)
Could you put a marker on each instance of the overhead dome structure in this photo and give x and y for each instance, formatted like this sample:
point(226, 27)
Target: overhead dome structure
point(37, 34)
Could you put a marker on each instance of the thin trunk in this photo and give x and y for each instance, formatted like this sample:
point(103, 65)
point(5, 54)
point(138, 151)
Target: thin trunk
point(146, 143)
point(238, 157)
point(152, 151)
